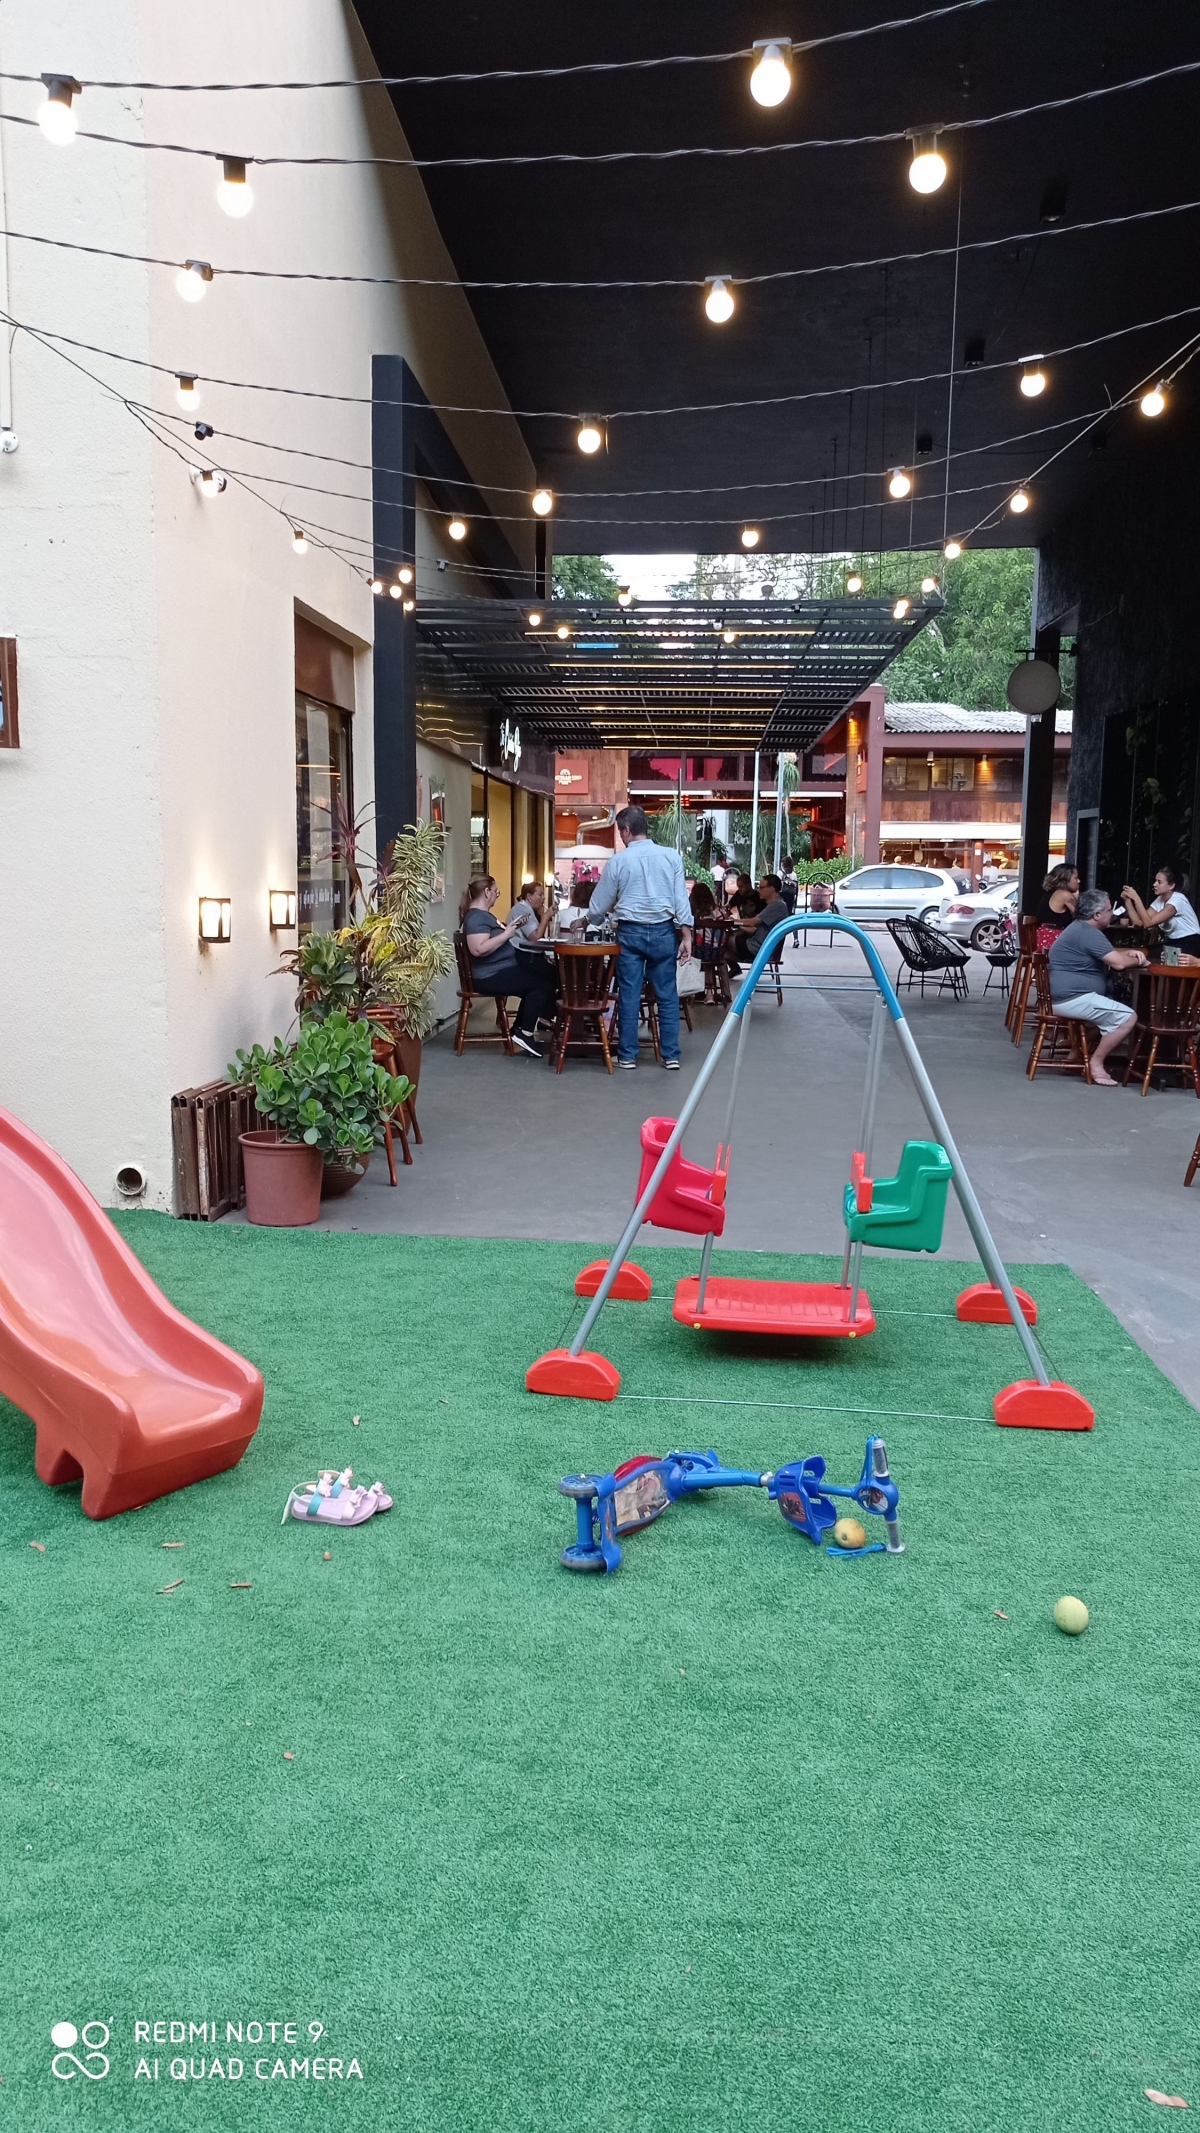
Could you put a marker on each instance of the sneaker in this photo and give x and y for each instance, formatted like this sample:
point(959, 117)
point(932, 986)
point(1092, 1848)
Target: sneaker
point(627, 1065)
point(672, 1065)
point(521, 1037)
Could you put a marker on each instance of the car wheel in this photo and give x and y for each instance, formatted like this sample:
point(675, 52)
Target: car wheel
point(987, 936)
point(929, 917)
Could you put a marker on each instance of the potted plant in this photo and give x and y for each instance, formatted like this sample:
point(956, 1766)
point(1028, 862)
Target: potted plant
point(325, 1100)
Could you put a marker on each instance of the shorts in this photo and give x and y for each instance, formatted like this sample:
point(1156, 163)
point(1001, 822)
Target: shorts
point(1096, 1007)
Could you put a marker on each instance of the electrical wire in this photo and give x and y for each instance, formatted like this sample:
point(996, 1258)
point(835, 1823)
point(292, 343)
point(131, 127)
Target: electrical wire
point(540, 158)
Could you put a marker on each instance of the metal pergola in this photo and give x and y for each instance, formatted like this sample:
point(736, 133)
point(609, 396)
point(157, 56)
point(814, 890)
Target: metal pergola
point(686, 674)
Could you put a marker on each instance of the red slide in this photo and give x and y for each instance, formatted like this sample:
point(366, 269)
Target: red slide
point(123, 1388)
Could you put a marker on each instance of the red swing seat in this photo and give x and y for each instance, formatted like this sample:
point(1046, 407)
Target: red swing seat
point(690, 1198)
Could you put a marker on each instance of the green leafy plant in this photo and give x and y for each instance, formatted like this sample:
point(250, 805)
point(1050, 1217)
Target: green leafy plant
point(325, 1090)
point(384, 957)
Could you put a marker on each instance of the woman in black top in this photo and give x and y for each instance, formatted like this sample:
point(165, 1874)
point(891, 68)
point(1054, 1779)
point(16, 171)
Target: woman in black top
point(1057, 907)
point(496, 967)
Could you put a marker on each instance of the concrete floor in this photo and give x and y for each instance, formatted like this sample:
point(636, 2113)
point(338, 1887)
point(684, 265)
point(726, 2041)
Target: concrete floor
point(1089, 1176)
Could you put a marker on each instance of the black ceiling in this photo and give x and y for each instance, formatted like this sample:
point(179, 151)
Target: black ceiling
point(597, 352)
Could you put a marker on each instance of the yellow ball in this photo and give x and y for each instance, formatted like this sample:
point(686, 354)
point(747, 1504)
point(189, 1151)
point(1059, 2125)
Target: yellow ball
point(1071, 1615)
point(849, 1533)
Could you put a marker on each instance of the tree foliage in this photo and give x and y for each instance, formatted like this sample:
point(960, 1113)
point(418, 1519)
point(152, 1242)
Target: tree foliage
point(584, 577)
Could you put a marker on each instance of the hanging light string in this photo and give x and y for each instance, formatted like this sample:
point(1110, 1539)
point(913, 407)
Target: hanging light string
point(678, 281)
point(550, 73)
point(637, 155)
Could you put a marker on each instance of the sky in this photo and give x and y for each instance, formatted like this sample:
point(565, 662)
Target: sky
point(648, 576)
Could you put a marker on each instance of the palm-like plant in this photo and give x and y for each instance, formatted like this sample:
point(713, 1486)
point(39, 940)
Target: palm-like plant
point(384, 957)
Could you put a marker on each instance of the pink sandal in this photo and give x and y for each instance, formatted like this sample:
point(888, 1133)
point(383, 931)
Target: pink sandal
point(334, 1501)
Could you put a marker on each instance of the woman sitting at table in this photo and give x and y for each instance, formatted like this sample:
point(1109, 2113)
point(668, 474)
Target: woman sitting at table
point(1171, 919)
point(529, 914)
point(702, 900)
point(1060, 893)
point(496, 968)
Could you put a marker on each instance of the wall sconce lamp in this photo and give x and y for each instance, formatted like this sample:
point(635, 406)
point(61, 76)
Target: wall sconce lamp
point(215, 915)
point(282, 906)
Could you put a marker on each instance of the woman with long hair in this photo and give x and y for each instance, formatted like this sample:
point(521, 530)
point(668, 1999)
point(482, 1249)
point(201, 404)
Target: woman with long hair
point(1060, 892)
point(1171, 918)
point(496, 967)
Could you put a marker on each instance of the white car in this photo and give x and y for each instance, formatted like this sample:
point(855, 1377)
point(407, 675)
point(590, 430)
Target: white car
point(977, 916)
point(888, 891)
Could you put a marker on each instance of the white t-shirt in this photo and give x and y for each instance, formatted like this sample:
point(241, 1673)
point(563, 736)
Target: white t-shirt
point(1184, 921)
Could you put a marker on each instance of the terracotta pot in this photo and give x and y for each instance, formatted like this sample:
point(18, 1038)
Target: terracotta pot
point(337, 1179)
point(283, 1181)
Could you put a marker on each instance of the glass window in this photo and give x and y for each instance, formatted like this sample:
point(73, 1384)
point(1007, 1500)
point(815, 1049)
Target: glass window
point(954, 773)
point(872, 878)
point(324, 810)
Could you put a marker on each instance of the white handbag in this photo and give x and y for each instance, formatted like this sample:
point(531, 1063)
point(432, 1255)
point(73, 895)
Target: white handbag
point(689, 978)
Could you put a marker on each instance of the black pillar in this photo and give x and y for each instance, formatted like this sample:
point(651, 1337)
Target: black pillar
point(393, 458)
point(1038, 789)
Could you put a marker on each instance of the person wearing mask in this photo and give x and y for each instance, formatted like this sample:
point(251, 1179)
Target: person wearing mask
point(1171, 918)
point(496, 968)
point(1078, 960)
point(529, 914)
point(1056, 908)
point(643, 887)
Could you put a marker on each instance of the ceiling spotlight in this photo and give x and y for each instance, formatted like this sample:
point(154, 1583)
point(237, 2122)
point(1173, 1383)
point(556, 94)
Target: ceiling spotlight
point(299, 540)
point(1033, 378)
point(563, 631)
point(377, 585)
point(729, 636)
point(750, 536)
point(457, 529)
point(396, 591)
point(535, 619)
point(233, 193)
point(186, 392)
point(901, 609)
point(589, 436)
point(1019, 501)
point(952, 551)
point(854, 583)
point(1153, 402)
point(56, 116)
point(719, 301)
point(771, 80)
point(209, 480)
point(542, 501)
point(900, 483)
point(193, 279)
point(624, 597)
point(929, 585)
point(927, 171)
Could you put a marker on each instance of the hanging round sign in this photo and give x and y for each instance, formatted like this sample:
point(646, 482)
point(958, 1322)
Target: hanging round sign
point(1033, 686)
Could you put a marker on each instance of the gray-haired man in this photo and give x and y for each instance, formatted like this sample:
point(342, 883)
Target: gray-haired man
point(1078, 960)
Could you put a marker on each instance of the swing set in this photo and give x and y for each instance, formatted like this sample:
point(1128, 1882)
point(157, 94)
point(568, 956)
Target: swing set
point(903, 1213)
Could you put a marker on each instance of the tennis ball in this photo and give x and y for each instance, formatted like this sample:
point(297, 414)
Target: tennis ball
point(1071, 1615)
point(849, 1533)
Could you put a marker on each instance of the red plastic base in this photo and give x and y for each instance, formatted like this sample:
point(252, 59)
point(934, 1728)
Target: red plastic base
point(1028, 1405)
point(632, 1285)
point(579, 1377)
point(784, 1308)
point(983, 1305)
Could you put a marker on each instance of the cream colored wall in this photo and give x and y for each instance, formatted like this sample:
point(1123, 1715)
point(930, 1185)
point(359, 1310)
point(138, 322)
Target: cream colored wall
point(155, 625)
point(455, 775)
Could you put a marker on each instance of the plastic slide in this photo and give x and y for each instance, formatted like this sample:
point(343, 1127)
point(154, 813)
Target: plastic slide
point(122, 1387)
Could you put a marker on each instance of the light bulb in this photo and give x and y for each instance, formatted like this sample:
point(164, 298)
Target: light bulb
point(563, 631)
point(535, 619)
point(719, 301)
point(457, 529)
point(1033, 378)
point(542, 501)
point(1153, 402)
point(927, 171)
point(1019, 500)
point(408, 607)
point(771, 80)
point(952, 551)
point(193, 279)
point(209, 480)
point(56, 116)
point(186, 392)
point(233, 193)
point(750, 536)
point(624, 597)
point(901, 609)
point(299, 540)
point(900, 483)
point(377, 585)
point(405, 574)
point(396, 591)
point(589, 437)
point(729, 636)
point(929, 585)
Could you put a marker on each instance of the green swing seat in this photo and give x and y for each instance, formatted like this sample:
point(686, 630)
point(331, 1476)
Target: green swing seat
point(907, 1212)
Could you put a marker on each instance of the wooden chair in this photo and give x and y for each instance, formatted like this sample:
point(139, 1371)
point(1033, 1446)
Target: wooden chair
point(585, 975)
point(386, 1048)
point(773, 975)
point(1022, 978)
point(648, 1013)
point(1172, 1019)
point(1194, 1165)
point(502, 1034)
point(710, 940)
point(1062, 1030)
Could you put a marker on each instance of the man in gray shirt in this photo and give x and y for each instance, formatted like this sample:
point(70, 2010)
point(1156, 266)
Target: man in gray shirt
point(1078, 960)
point(643, 887)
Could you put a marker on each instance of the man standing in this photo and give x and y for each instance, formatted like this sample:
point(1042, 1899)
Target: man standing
point(643, 886)
point(1078, 959)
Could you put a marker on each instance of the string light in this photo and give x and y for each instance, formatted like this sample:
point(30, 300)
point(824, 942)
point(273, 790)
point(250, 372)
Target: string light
point(535, 619)
point(408, 607)
point(209, 480)
point(57, 116)
point(299, 540)
point(396, 591)
point(952, 551)
point(187, 392)
point(457, 529)
point(719, 302)
point(1153, 402)
point(624, 597)
point(1033, 378)
point(771, 80)
point(589, 436)
point(233, 193)
point(854, 583)
point(729, 636)
point(750, 536)
point(542, 501)
point(1019, 501)
point(900, 610)
point(900, 483)
point(377, 586)
point(563, 631)
point(193, 279)
point(405, 573)
point(929, 585)
point(927, 171)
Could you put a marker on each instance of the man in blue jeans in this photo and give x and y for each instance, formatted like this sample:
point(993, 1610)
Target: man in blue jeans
point(643, 886)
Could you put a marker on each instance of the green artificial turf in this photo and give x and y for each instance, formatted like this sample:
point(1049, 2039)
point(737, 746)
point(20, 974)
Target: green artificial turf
point(743, 1837)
